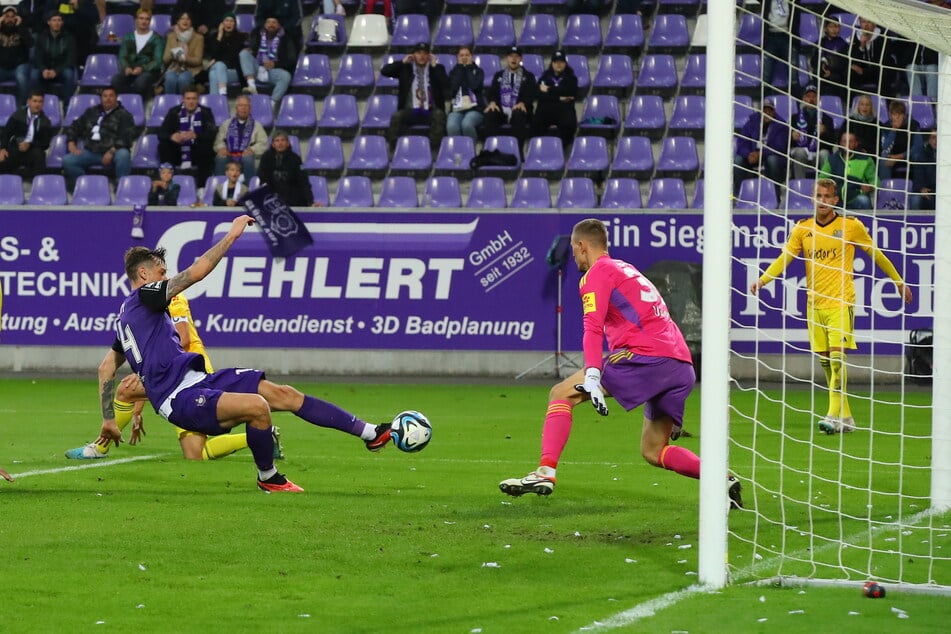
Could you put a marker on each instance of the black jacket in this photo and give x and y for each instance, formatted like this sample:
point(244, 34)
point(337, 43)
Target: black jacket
point(228, 49)
point(117, 129)
point(202, 12)
point(286, 50)
point(438, 82)
point(15, 130)
point(55, 51)
point(171, 125)
point(15, 47)
point(471, 79)
point(284, 174)
point(527, 93)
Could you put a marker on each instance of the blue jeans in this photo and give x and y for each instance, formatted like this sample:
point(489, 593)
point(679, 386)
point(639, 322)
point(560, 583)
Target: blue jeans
point(220, 76)
point(277, 76)
point(21, 75)
point(248, 169)
point(464, 123)
point(65, 82)
point(75, 165)
point(177, 81)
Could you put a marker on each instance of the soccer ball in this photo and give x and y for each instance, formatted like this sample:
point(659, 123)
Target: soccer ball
point(411, 431)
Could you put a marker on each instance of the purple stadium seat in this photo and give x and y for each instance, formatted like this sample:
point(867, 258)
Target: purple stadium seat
point(442, 191)
point(161, 104)
point(312, 74)
point(318, 187)
point(679, 157)
point(667, 193)
point(454, 30)
point(133, 103)
point(508, 145)
point(333, 48)
point(669, 34)
point(114, 27)
point(892, 193)
point(262, 110)
point(582, 33)
point(800, 194)
point(211, 184)
point(922, 111)
point(657, 76)
point(625, 34)
point(487, 192)
point(218, 104)
point(576, 193)
point(757, 193)
point(694, 79)
point(697, 195)
point(689, 116)
point(534, 63)
point(133, 190)
point(54, 156)
point(615, 75)
point(633, 157)
point(750, 32)
point(8, 105)
point(398, 191)
point(245, 21)
point(356, 75)
point(380, 109)
point(455, 154)
point(544, 156)
point(809, 28)
point(188, 194)
point(539, 33)
point(742, 109)
point(100, 67)
point(589, 157)
point(339, 116)
point(409, 30)
point(747, 73)
point(531, 193)
point(354, 191)
point(92, 189)
point(601, 116)
point(784, 105)
point(369, 156)
point(48, 189)
point(297, 114)
point(11, 189)
point(78, 104)
point(324, 156)
point(579, 64)
point(646, 116)
point(53, 108)
point(621, 193)
point(490, 65)
point(496, 34)
point(412, 156)
point(832, 106)
point(161, 23)
point(145, 153)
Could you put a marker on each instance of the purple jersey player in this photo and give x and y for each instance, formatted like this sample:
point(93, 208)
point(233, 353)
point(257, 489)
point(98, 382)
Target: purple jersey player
point(648, 364)
point(177, 384)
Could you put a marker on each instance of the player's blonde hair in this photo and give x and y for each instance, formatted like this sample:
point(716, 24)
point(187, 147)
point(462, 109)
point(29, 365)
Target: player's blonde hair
point(591, 230)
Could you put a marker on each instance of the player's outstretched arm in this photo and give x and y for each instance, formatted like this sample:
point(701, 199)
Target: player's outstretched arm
point(107, 393)
point(209, 260)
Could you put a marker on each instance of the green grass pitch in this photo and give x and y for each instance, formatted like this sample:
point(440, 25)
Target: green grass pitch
point(387, 542)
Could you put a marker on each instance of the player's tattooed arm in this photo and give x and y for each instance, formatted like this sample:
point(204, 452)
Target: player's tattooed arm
point(107, 395)
point(209, 259)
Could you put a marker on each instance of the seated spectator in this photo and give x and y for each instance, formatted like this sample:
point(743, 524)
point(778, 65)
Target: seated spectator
point(854, 174)
point(423, 85)
point(225, 48)
point(240, 140)
point(102, 135)
point(898, 141)
point(270, 57)
point(15, 44)
point(866, 52)
point(281, 169)
point(140, 58)
point(206, 15)
point(54, 60)
point(831, 60)
point(466, 85)
point(811, 137)
point(924, 174)
point(557, 88)
point(230, 192)
point(761, 148)
point(25, 139)
point(511, 98)
point(187, 136)
point(81, 18)
point(164, 190)
point(863, 122)
point(184, 51)
point(288, 15)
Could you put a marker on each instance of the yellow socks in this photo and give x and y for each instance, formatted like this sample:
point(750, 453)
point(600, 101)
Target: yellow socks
point(224, 445)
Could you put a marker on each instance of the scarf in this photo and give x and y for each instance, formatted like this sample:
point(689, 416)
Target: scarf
point(189, 122)
point(422, 95)
point(238, 137)
point(233, 193)
point(511, 84)
point(267, 51)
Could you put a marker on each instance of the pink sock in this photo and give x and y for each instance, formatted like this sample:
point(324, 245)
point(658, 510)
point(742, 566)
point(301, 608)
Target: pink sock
point(555, 432)
point(680, 460)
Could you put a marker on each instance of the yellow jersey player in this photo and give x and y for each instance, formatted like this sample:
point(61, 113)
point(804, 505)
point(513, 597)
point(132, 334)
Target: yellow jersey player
point(131, 398)
point(827, 242)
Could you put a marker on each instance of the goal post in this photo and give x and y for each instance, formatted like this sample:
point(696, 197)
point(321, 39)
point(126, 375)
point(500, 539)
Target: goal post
point(823, 509)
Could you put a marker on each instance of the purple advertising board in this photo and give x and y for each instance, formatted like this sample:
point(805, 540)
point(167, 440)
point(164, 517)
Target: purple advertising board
point(395, 280)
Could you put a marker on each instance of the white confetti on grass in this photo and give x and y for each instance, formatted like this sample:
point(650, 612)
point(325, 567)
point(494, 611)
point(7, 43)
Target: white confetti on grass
point(491, 564)
point(628, 560)
point(142, 567)
point(549, 550)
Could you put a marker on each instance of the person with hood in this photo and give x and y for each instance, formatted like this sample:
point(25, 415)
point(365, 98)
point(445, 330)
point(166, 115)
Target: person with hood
point(555, 113)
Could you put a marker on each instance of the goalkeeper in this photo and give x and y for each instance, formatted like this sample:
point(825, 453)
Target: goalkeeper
point(648, 364)
point(828, 242)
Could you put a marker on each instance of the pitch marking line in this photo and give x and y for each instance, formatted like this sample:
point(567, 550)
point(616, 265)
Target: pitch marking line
point(645, 610)
point(101, 462)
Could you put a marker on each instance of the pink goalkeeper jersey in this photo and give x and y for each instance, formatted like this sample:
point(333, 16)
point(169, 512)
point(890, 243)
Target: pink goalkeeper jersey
point(621, 304)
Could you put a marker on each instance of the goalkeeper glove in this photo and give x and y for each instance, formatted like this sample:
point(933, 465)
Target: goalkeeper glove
point(592, 387)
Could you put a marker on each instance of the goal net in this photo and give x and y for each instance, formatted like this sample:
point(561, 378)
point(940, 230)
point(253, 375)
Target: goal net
point(849, 92)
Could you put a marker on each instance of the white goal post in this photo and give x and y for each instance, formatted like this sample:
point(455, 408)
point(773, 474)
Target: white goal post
point(824, 510)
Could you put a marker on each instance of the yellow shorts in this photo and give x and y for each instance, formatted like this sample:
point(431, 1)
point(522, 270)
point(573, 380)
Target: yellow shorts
point(831, 328)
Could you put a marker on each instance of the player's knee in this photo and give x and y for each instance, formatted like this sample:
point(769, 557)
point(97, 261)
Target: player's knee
point(283, 398)
point(565, 391)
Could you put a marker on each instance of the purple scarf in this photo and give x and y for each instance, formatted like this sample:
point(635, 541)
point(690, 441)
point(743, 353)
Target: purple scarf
point(189, 123)
point(267, 52)
point(511, 84)
point(238, 138)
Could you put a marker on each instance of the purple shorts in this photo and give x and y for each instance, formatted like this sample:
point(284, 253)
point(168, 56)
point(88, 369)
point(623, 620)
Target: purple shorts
point(196, 408)
point(661, 384)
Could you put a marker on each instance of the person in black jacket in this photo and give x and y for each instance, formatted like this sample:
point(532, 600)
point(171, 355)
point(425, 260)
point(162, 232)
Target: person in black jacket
point(466, 85)
point(281, 169)
point(557, 88)
point(187, 136)
point(511, 98)
point(15, 44)
point(25, 138)
point(102, 135)
point(270, 56)
point(54, 60)
point(225, 48)
point(781, 20)
point(422, 95)
point(206, 15)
